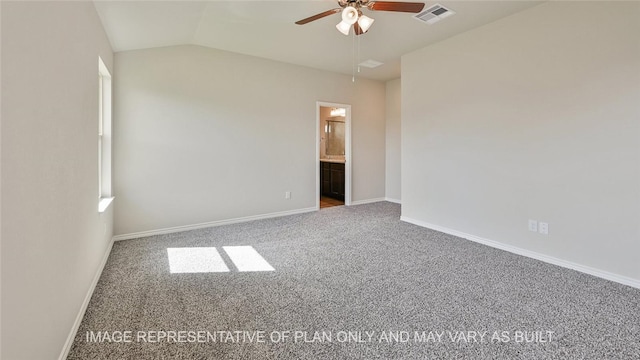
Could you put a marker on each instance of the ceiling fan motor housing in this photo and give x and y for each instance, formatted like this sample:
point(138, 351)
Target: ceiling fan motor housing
point(354, 3)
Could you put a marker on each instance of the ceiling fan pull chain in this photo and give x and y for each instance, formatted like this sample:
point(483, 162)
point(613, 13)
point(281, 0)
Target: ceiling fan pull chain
point(358, 57)
point(353, 57)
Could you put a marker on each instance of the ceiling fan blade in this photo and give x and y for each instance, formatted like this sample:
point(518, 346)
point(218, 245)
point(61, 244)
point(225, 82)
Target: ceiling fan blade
point(318, 16)
point(357, 29)
point(410, 7)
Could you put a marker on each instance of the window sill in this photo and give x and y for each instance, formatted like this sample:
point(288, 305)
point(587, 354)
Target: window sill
point(104, 203)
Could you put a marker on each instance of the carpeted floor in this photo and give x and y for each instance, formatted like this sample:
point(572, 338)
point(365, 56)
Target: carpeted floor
point(365, 285)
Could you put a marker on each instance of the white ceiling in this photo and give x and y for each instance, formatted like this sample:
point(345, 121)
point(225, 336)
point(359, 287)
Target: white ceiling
point(266, 29)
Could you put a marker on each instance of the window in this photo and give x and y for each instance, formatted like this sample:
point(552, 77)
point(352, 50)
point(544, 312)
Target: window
point(104, 137)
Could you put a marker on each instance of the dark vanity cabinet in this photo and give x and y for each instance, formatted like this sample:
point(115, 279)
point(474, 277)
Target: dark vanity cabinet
point(332, 180)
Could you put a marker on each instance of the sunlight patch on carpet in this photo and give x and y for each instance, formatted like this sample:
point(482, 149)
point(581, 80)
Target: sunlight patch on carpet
point(195, 260)
point(246, 258)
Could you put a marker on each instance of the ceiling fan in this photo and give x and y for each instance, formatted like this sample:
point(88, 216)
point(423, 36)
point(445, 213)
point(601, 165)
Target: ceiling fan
point(352, 13)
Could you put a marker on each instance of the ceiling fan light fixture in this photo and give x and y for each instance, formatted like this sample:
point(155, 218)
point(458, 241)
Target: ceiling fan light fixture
point(343, 27)
point(350, 15)
point(365, 22)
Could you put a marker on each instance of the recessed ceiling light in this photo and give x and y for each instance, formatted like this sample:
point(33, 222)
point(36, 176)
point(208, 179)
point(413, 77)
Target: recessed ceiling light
point(370, 63)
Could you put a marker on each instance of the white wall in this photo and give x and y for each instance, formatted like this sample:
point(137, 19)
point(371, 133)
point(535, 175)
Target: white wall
point(53, 239)
point(0, 182)
point(392, 140)
point(204, 135)
point(535, 116)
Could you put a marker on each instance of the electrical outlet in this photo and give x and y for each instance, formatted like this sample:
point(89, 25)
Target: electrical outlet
point(543, 228)
point(287, 194)
point(533, 225)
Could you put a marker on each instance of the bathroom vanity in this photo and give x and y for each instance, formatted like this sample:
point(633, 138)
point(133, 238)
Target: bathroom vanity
point(332, 178)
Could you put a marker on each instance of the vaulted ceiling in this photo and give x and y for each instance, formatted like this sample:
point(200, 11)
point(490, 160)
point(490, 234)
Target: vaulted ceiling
point(266, 29)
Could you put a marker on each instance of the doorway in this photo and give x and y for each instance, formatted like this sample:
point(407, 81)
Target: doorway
point(333, 154)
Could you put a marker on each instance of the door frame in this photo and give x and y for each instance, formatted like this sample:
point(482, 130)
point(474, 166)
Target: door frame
point(347, 150)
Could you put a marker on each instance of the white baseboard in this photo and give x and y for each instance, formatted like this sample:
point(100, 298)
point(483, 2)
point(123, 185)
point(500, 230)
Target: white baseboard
point(85, 304)
point(367, 201)
point(395, 201)
point(530, 254)
point(210, 224)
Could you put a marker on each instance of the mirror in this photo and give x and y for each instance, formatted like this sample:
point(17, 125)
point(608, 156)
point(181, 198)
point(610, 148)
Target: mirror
point(334, 133)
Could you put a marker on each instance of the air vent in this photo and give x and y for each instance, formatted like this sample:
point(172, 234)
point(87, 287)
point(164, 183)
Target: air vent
point(434, 14)
point(370, 63)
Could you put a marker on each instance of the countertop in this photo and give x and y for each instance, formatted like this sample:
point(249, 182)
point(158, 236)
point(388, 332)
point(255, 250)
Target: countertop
point(337, 161)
